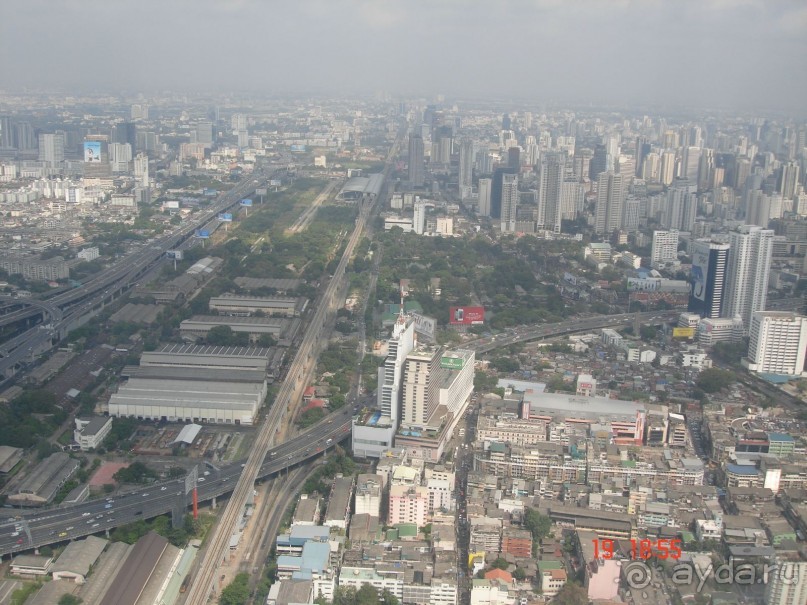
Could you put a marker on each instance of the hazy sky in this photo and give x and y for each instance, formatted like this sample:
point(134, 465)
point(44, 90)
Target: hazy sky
point(743, 53)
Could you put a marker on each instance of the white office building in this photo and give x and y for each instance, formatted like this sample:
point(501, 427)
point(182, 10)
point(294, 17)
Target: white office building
point(665, 248)
point(509, 202)
point(778, 343)
point(787, 585)
point(419, 219)
point(374, 432)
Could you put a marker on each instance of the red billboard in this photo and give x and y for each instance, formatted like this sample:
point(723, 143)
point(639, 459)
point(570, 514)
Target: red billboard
point(466, 316)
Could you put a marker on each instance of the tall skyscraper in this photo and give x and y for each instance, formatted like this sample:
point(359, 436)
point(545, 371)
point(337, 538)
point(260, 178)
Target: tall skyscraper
point(51, 149)
point(125, 132)
point(682, 206)
point(466, 169)
point(141, 170)
point(651, 168)
point(778, 343)
point(599, 163)
point(748, 271)
point(509, 203)
point(484, 197)
point(551, 171)
point(98, 169)
point(506, 122)
point(238, 121)
point(421, 386)
point(572, 198)
point(203, 133)
point(419, 219)
point(708, 278)
point(7, 133)
point(667, 167)
point(610, 197)
point(416, 170)
point(390, 374)
point(120, 154)
point(789, 180)
point(690, 163)
point(643, 148)
point(496, 192)
point(446, 149)
point(514, 159)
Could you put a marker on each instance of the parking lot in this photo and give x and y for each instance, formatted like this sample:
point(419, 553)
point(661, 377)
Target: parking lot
point(214, 443)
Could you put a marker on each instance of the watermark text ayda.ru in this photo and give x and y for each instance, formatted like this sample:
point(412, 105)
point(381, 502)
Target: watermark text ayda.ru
point(640, 574)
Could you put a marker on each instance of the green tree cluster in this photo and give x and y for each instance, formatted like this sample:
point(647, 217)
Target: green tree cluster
point(366, 595)
point(712, 380)
point(538, 525)
point(236, 592)
point(137, 472)
point(337, 463)
point(32, 415)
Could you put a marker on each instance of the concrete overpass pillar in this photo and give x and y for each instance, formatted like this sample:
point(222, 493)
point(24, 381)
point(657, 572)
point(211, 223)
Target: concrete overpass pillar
point(213, 504)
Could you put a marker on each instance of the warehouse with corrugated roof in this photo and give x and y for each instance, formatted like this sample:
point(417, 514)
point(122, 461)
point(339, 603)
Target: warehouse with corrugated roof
point(181, 383)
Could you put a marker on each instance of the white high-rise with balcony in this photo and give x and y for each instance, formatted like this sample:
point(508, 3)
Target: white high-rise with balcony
point(778, 343)
point(665, 247)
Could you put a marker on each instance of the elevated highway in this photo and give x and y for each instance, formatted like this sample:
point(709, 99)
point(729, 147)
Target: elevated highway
point(528, 333)
point(40, 527)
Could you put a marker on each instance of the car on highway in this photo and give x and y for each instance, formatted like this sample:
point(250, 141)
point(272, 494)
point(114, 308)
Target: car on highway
point(163, 488)
point(145, 495)
point(62, 534)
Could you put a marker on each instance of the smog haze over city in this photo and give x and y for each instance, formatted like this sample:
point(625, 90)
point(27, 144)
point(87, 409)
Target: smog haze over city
point(693, 53)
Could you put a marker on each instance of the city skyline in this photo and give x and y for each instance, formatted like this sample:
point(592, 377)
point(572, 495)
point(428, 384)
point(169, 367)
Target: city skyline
point(674, 54)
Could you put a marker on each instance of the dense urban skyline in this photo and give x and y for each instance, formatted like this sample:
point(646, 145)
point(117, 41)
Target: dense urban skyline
point(743, 54)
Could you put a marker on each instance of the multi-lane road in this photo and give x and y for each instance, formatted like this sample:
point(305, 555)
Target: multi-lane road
point(20, 531)
point(69, 308)
point(526, 333)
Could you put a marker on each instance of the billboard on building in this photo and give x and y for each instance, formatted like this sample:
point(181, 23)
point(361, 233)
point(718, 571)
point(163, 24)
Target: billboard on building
point(425, 325)
point(688, 333)
point(451, 363)
point(298, 148)
point(174, 254)
point(650, 284)
point(225, 217)
point(247, 203)
point(569, 278)
point(466, 316)
point(700, 272)
point(202, 233)
point(92, 151)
